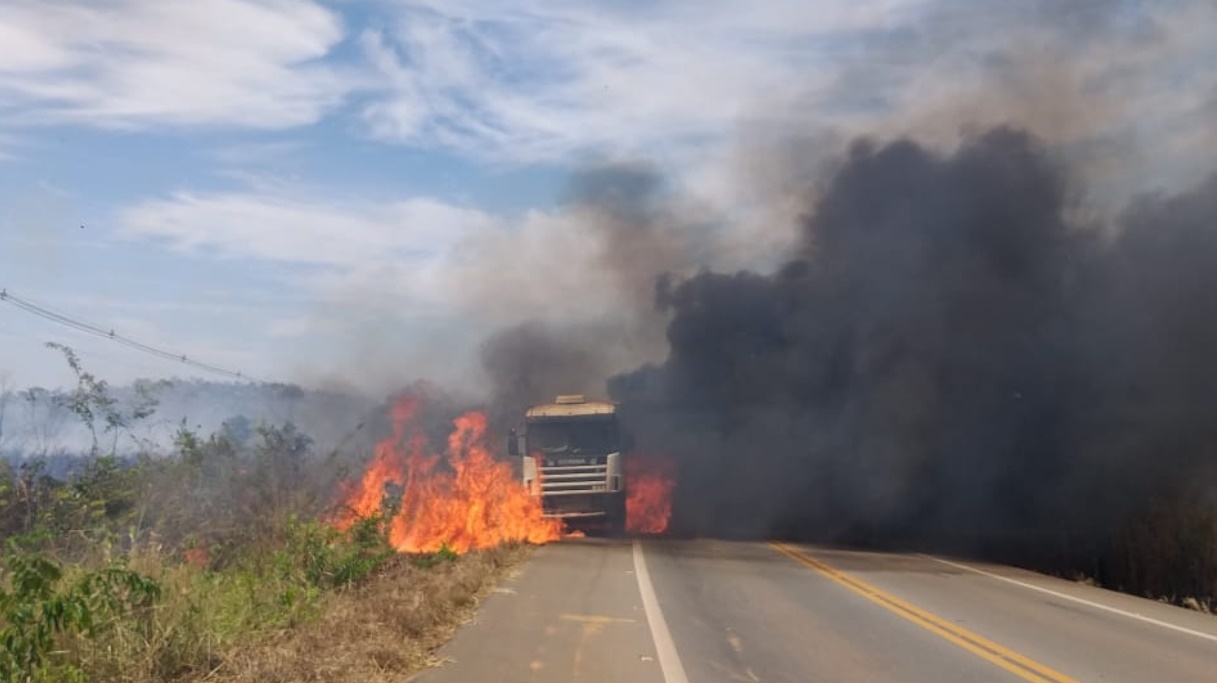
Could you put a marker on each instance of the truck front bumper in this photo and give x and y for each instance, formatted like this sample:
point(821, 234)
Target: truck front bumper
point(574, 506)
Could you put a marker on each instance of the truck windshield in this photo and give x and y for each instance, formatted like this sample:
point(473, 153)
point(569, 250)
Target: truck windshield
point(574, 436)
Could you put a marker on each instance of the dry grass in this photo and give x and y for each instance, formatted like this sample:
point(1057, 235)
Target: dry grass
point(382, 631)
point(1197, 605)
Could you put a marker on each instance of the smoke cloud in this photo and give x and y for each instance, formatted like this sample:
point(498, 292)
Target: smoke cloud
point(971, 343)
point(640, 230)
point(949, 359)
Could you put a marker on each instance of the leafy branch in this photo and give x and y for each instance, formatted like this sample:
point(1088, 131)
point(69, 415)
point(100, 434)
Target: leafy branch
point(92, 403)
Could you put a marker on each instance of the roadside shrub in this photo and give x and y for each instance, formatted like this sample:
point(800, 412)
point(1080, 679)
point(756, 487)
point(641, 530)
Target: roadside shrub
point(40, 605)
point(429, 560)
point(329, 558)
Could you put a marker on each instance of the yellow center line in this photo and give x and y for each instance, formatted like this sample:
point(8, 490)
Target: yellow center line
point(1024, 668)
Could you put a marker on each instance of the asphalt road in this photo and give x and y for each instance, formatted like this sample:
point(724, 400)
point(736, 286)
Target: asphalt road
point(605, 611)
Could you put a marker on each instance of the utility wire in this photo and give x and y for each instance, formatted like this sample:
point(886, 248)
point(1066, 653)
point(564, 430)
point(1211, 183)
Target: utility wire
point(42, 312)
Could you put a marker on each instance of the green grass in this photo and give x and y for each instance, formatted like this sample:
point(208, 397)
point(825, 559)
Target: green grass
point(156, 616)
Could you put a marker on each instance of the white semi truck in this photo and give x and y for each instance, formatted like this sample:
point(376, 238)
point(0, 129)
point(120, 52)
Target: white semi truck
point(572, 451)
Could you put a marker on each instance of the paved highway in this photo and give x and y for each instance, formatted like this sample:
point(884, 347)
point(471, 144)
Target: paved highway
point(606, 611)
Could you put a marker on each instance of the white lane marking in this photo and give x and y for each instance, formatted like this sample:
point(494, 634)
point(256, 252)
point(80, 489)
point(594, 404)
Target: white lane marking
point(1088, 603)
point(669, 660)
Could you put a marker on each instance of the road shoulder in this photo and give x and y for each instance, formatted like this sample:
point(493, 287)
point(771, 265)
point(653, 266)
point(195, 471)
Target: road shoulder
point(572, 613)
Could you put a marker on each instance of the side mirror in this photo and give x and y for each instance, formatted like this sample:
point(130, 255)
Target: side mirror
point(513, 444)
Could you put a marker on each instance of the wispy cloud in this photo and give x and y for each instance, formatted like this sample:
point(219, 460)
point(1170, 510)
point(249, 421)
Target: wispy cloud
point(740, 109)
point(534, 81)
point(135, 63)
point(414, 257)
point(538, 80)
point(530, 81)
point(288, 226)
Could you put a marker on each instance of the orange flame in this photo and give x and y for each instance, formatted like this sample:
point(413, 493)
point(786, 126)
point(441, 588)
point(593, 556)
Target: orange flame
point(367, 498)
point(648, 505)
point(473, 501)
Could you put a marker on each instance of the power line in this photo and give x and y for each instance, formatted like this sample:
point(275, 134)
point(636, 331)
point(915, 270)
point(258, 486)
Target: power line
point(43, 312)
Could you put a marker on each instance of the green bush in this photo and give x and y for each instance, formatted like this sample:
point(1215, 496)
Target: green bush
point(429, 560)
point(329, 558)
point(39, 605)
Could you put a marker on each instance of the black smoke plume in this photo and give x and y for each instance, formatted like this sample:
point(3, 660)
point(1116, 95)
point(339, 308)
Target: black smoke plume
point(532, 362)
point(950, 360)
point(630, 212)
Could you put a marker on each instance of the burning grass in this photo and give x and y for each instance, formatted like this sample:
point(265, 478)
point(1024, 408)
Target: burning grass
point(229, 562)
point(461, 498)
point(242, 574)
point(464, 498)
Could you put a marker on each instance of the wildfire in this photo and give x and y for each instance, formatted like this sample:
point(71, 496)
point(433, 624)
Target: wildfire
point(462, 498)
point(648, 506)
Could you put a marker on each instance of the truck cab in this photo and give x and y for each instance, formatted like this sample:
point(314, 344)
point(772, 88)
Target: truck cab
point(572, 452)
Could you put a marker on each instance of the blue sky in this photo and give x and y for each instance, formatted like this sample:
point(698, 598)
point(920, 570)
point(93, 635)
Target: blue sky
point(311, 191)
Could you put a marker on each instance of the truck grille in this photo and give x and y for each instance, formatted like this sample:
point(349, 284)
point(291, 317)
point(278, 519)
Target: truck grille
point(572, 479)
